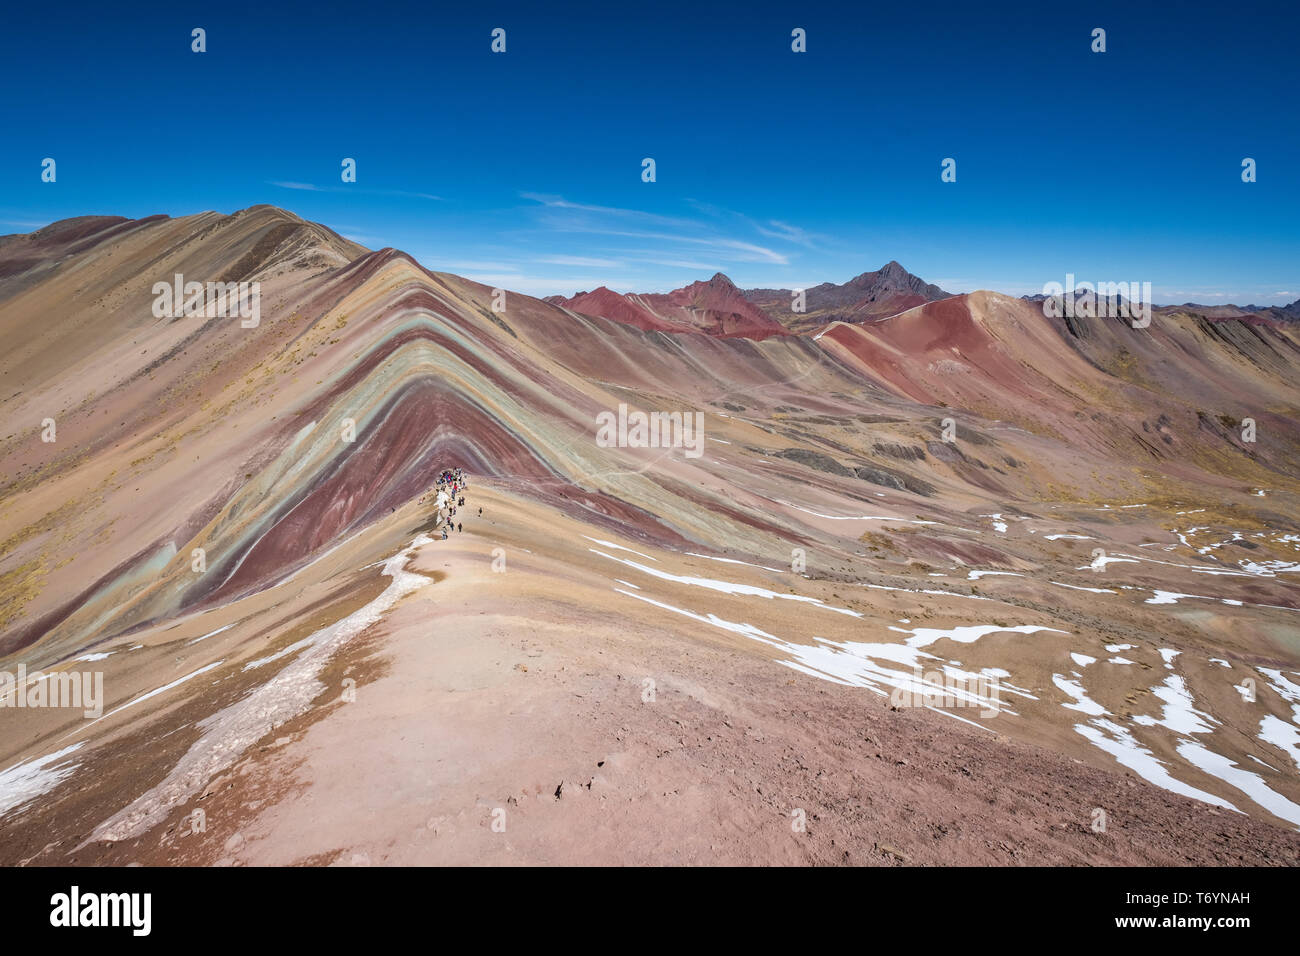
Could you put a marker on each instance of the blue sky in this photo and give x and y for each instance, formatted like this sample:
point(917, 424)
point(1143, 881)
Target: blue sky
point(523, 169)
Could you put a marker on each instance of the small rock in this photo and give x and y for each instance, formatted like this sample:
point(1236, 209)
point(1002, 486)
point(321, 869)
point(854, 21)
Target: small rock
point(888, 850)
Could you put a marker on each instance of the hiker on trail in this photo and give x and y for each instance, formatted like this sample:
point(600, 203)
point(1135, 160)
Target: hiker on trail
point(480, 512)
point(460, 528)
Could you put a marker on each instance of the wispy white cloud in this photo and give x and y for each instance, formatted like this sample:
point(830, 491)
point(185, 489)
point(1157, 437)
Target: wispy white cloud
point(686, 264)
point(772, 228)
point(734, 250)
point(311, 187)
point(475, 265)
point(562, 215)
point(403, 193)
point(581, 261)
point(559, 202)
point(781, 230)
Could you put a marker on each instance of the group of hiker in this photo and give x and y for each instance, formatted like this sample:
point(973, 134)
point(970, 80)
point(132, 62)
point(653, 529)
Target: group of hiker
point(448, 495)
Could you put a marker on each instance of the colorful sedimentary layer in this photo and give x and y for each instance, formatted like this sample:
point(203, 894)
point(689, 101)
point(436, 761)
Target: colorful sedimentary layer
point(227, 524)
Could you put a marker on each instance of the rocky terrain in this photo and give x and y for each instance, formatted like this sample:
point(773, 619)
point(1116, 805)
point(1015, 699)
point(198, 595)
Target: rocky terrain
point(938, 579)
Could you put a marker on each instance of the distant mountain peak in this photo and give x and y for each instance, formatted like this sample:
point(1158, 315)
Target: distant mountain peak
point(894, 278)
point(868, 296)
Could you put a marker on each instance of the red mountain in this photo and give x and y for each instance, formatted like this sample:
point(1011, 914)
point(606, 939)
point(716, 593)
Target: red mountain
point(715, 307)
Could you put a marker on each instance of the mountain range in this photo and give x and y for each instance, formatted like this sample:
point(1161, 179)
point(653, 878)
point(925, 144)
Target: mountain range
point(228, 521)
point(718, 307)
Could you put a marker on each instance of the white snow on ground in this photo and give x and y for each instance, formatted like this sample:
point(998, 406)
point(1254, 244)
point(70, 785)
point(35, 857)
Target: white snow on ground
point(1251, 784)
point(1285, 737)
point(1288, 691)
point(281, 653)
point(146, 696)
point(1179, 713)
point(1082, 702)
point(695, 554)
point(618, 547)
point(726, 587)
point(213, 633)
point(29, 779)
point(229, 732)
point(1069, 537)
point(1173, 597)
point(1128, 752)
point(865, 665)
point(1220, 662)
point(1076, 587)
point(886, 667)
point(976, 575)
point(1248, 569)
point(91, 658)
point(951, 594)
point(965, 633)
point(1268, 568)
point(857, 517)
point(1166, 597)
point(1100, 561)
